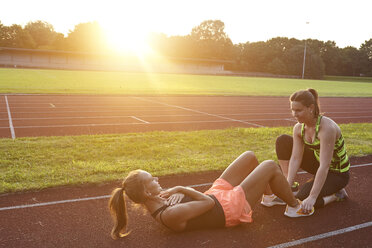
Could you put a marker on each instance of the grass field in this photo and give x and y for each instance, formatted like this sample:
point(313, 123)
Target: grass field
point(349, 79)
point(36, 163)
point(93, 82)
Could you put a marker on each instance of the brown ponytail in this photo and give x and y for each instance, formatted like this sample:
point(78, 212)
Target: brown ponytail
point(119, 214)
point(307, 97)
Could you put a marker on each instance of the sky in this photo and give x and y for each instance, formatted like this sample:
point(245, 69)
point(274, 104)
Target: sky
point(348, 23)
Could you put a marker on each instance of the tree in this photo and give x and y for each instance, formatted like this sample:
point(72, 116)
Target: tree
point(276, 66)
point(315, 68)
point(277, 46)
point(210, 30)
point(211, 41)
point(256, 56)
point(42, 33)
point(330, 55)
point(15, 36)
point(174, 46)
point(366, 50)
point(59, 42)
point(293, 59)
point(87, 37)
point(351, 61)
point(2, 34)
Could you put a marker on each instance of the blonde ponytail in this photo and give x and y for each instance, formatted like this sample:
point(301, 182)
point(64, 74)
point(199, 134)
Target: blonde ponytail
point(118, 211)
point(134, 189)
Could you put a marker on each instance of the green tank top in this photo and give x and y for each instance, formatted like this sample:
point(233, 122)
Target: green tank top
point(340, 160)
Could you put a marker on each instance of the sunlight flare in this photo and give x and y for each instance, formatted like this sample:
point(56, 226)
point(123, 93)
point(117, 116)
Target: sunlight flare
point(132, 41)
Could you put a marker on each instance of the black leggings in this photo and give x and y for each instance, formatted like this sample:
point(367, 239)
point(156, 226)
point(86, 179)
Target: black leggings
point(334, 181)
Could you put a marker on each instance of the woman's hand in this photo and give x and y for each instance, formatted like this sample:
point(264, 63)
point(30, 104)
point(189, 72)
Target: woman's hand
point(308, 204)
point(168, 192)
point(174, 199)
point(172, 195)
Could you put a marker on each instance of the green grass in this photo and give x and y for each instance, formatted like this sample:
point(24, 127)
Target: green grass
point(42, 162)
point(94, 82)
point(36, 163)
point(349, 79)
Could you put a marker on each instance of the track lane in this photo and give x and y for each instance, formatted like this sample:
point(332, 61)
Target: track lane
point(45, 115)
point(87, 223)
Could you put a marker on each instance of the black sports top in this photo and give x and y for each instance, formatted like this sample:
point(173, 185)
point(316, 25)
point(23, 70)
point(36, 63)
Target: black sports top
point(213, 218)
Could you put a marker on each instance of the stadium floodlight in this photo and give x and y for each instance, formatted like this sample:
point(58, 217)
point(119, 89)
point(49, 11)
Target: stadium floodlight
point(304, 62)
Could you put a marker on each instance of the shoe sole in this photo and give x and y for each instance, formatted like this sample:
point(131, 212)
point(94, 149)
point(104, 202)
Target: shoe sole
point(273, 204)
point(298, 215)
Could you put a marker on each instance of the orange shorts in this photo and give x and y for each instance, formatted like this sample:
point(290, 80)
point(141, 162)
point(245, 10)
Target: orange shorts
point(233, 202)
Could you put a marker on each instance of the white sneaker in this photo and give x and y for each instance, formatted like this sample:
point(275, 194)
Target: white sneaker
point(271, 200)
point(341, 195)
point(297, 211)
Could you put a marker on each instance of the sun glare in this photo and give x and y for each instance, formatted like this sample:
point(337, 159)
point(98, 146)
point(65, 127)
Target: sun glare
point(128, 41)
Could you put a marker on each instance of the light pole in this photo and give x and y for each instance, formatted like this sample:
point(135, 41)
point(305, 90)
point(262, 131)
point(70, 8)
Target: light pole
point(304, 62)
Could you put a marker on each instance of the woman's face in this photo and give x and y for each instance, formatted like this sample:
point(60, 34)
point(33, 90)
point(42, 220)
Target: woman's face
point(301, 112)
point(151, 183)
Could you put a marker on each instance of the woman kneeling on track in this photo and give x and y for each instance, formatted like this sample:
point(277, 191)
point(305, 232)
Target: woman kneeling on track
point(227, 203)
point(318, 147)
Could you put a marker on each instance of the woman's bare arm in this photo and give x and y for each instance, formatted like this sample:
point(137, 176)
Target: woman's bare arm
point(177, 216)
point(297, 152)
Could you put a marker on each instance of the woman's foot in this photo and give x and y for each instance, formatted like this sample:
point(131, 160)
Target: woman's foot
point(297, 211)
point(341, 195)
point(271, 200)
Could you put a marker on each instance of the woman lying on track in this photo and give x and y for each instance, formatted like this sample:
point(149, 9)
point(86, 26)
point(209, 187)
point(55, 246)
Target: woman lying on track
point(317, 146)
point(227, 203)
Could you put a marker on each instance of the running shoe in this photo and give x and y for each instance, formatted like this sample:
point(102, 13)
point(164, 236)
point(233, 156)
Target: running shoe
point(271, 200)
point(297, 211)
point(341, 195)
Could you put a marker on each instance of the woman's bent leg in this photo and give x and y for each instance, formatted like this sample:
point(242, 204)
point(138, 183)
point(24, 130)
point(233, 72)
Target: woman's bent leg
point(267, 173)
point(283, 148)
point(240, 168)
point(334, 182)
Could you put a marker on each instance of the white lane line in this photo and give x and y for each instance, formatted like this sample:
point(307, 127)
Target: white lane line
point(120, 116)
point(140, 120)
point(154, 116)
point(166, 110)
point(352, 166)
point(360, 165)
point(264, 104)
point(323, 235)
point(77, 200)
point(10, 119)
point(289, 119)
point(108, 196)
point(128, 124)
point(130, 116)
point(197, 111)
point(151, 123)
point(54, 202)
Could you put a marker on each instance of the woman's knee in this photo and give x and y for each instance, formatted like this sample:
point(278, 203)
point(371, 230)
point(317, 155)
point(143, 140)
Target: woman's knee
point(283, 147)
point(272, 166)
point(249, 155)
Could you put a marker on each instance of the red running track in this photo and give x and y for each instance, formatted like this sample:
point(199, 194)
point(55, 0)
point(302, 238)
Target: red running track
point(72, 219)
point(68, 217)
point(47, 115)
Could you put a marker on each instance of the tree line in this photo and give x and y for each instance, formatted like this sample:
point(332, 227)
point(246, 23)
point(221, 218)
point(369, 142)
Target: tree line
point(280, 55)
